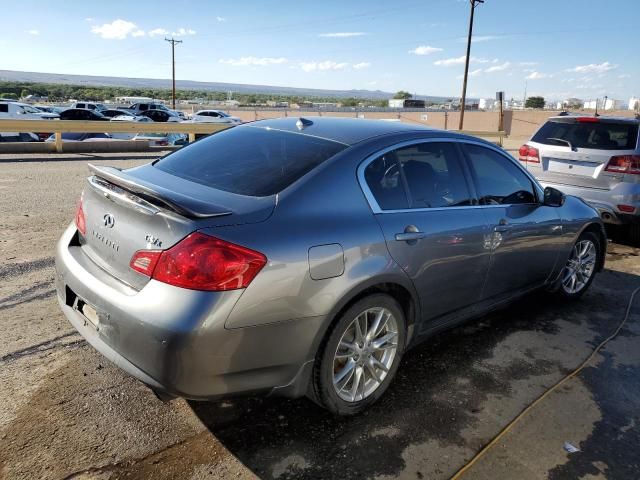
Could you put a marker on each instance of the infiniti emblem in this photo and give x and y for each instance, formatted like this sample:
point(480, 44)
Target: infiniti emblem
point(109, 221)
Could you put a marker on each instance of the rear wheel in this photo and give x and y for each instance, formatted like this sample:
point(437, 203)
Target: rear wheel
point(361, 355)
point(580, 269)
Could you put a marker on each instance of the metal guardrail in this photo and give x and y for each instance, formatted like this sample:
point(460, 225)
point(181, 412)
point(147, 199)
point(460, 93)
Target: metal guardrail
point(58, 127)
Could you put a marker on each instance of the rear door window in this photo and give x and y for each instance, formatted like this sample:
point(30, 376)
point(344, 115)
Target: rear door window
point(599, 135)
point(250, 160)
point(4, 107)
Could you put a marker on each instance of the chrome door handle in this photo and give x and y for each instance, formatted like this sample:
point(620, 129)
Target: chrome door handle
point(410, 236)
point(502, 228)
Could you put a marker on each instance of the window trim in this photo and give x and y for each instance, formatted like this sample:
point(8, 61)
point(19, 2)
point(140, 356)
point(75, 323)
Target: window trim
point(373, 203)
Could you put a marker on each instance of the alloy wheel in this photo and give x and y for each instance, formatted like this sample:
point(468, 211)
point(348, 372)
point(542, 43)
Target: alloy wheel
point(365, 354)
point(580, 266)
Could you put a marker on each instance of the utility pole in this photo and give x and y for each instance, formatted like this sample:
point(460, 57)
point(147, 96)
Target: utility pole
point(473, 3)
point(173, 42)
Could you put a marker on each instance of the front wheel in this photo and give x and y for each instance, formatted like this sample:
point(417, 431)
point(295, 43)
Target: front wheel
point(361, 355)
point(581, 266)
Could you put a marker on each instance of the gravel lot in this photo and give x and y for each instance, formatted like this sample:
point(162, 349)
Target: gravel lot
point(65, 412)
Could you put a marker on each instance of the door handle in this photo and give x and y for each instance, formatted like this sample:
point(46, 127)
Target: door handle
point(410, 234)
point(502, 226)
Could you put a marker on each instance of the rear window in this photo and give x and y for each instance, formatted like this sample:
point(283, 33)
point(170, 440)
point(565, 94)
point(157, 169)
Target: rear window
point(595, 135)
point(248, 160)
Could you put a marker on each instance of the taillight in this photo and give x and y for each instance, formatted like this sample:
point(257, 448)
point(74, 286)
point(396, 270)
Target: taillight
point(587, 119)
point(624, 164)
point(626, 208)
point(528, 154)
point(81, 223)
point(201, 262)
point(162, 143)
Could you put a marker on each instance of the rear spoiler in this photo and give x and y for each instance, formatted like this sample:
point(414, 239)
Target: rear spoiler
point(186, 206)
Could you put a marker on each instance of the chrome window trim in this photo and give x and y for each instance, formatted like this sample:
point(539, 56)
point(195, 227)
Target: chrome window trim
point(373, 203)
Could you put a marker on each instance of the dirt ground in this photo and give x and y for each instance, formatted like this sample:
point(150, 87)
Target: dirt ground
point(66, 412)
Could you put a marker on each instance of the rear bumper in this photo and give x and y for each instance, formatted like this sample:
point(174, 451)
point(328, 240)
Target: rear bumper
point(606, 201)
point(174, 340)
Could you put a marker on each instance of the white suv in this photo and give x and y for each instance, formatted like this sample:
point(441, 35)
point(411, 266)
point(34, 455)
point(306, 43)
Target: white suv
point(22, 111)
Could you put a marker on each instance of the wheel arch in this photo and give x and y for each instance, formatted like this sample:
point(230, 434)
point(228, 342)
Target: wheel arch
point(597, 229)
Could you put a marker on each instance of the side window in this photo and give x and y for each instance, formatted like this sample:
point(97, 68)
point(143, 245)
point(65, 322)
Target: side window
point(144, 107)
point(498, 180)
point(4, 107)
point(426, 175)
point(434, 175)
point(79, 105)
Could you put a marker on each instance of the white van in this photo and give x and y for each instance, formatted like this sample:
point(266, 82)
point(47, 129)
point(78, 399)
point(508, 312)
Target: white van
point(22, 111)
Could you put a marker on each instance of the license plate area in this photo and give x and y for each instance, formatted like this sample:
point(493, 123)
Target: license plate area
point(573, 167)
point(89, 312)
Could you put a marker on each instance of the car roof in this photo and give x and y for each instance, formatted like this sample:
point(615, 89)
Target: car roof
point(344, 130)
point(600, 118)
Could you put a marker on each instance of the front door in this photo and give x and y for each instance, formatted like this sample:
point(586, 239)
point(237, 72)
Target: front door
point(431, 226)
point(525, 233)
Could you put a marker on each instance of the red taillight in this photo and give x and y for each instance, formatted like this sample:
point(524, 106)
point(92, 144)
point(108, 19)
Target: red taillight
point(587, 120)
point(162, 143)
point(528, 154)
point(144, 261)
point(201, 262)
point(626, 208)
point(81, 223)
point(624, 164)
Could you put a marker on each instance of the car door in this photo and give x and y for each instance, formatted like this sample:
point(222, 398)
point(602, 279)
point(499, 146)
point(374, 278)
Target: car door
point(420, 195)
point(525, 233)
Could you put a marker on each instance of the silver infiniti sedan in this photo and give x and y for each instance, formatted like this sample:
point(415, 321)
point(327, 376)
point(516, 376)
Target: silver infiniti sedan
point(304, 257)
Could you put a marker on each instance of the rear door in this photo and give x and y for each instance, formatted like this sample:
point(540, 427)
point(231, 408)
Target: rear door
point(421, 197)
point(575, 150)
point(525, 235)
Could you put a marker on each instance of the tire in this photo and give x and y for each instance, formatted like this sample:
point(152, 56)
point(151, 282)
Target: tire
point(338, 368)
point(581, 266)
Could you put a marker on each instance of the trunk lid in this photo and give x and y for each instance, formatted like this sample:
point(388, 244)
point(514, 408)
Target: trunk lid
point(145, 208)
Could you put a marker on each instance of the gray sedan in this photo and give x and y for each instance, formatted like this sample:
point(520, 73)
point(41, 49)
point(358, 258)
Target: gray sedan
point(304, 257)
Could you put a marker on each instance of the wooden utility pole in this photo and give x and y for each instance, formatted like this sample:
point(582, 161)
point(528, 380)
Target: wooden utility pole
point(173, 42)
point(473, 3)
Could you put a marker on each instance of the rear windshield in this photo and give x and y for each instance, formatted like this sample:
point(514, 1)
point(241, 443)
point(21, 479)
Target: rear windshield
point(248, 160)
point(596, 135)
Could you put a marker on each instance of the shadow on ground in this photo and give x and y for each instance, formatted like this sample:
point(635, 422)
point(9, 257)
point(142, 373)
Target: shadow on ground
point(445, 389)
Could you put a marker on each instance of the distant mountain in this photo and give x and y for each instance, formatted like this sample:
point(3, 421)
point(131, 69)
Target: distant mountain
point(94, 80)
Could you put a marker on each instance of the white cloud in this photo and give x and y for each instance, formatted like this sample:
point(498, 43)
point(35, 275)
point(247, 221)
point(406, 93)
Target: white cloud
point(538, 76)
point(326, 65)
point(158, 32)
point(498, 68)
point(183, 32)
point(480, 38)
point(361, 65)
point(33, 32)
point(254, 61)
point(138, 33)
point(624, 75)
point(593, 67)
point(88, 19)
point(117, 30)
point(528, 64)
point(342, 34)
point(448, 62)
point(425, 50)
point(221, 19)
point(475, 73)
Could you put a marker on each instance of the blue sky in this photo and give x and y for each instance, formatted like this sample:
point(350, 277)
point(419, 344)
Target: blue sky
point(560, 48)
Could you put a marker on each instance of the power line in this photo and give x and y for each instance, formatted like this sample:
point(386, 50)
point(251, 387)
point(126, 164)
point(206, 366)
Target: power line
point(473, 4)
point(173, 42)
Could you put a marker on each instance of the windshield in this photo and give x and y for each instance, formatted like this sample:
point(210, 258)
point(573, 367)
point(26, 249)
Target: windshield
point(594, 135)
point(249, 161)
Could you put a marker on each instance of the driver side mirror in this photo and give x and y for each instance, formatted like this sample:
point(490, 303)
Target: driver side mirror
point(553, 197)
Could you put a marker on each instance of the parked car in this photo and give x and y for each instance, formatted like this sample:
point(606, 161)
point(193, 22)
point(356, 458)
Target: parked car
point(81, 137)
point(161, 115)
point(115, 112)
point(595, 158)
point(89, 106)
point(162, 139)
point(138, 108)
point(18, 137)
point(49, 109)
point(128, 118)
point(299, 257)
point(83, 114)
point(23, 111)
point(215, 116)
